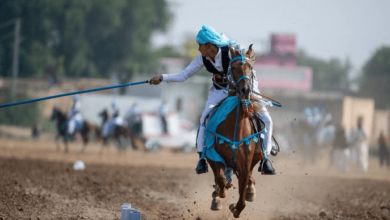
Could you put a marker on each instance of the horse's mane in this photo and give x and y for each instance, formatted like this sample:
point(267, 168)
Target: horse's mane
point(254, 101)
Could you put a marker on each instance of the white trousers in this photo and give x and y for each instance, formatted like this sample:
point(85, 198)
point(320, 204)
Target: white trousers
point(215, 96)
point(72, 123)
point(341, 158)
point(108, 127)
point(360, 154)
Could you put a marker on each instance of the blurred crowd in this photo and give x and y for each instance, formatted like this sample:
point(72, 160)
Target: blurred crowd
point(316, 133)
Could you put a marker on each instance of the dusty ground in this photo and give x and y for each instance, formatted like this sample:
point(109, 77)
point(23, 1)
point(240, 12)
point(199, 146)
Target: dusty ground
point(38, 182)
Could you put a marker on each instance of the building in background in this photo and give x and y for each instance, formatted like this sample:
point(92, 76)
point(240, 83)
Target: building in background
point(278, 68)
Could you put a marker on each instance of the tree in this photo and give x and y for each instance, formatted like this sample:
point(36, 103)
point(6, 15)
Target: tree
point(376, 77)
point(86, 38)
point(329, 75)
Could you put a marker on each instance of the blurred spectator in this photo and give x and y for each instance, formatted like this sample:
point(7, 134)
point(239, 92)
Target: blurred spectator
point(384, 152)
point(340, 152)
point(163, 110)
point(75, 121)
point(359, 147)
point(35, 131)
point(135, 120)
point(109, 125)
point(51, 71)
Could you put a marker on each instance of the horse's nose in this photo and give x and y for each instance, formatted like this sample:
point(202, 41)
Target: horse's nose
point(245, 92)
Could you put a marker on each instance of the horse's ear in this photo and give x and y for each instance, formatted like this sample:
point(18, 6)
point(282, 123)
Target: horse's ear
point(251, 53)
point(232, 51)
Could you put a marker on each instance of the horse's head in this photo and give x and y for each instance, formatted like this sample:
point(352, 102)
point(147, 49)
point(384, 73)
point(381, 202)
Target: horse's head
point(104, 114)
point(57, 115)
point(54, 113)
point(240, 72)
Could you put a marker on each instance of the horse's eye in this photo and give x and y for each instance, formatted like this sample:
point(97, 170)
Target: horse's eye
point(251, 68)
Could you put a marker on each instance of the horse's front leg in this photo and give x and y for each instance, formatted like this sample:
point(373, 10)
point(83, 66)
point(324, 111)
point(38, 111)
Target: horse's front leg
point(216, 203)
point(66, 146)
point(251, 189)
point(84, 143)
point(104, 144)
point(220, 179)
point(242, 187)
point(56, 141)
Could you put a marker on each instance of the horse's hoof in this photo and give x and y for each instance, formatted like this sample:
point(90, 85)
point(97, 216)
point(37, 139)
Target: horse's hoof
point(229, 185)
point(216, 205)
point(232, 207)
point(250, 193)
point(250, 197)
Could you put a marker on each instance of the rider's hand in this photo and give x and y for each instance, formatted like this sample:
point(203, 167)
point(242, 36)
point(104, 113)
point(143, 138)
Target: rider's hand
point(156, 80)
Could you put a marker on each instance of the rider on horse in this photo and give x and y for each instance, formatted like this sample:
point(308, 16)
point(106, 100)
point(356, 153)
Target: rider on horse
point(215, 56)
point(75, 120)
point(109, 125)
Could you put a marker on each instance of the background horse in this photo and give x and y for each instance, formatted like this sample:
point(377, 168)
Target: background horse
point(245, 157)
point(62, 130)
point(121, 134)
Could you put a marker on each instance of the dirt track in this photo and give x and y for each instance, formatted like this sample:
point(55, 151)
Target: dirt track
point(36, 181)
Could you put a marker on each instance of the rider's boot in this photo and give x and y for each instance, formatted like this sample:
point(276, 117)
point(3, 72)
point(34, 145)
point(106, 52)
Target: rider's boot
point(266, 167)
point(202, 166)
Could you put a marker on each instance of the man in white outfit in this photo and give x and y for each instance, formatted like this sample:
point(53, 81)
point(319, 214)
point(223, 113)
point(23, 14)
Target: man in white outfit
point(340, 152)
point(110, 124)
point(75, 119)
point(359, 147)
point(215, 56)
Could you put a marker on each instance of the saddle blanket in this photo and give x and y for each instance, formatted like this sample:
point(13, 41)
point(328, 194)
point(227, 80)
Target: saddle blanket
point(219, 116)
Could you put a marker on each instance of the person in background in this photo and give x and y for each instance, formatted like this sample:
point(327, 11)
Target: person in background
point(135, 120)
point(340, 152)
point(110, 124)
point(75, 119)
point(359, 146)
point(35, 131)
point(384, 152)
point(163, 110)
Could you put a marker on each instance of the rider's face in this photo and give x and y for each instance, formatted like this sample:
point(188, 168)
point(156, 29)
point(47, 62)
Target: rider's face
point(203, 49)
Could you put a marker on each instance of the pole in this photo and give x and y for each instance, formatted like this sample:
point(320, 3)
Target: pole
point(15, 61)
point(72, 93)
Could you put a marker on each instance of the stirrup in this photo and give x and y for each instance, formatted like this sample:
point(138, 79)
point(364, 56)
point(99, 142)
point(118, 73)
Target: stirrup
point(275, 150)
point(261, 168)
point(202, 167)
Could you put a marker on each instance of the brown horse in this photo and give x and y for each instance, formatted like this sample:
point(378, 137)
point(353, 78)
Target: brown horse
point(238, 126)
point(121, 134)
point(62, 130)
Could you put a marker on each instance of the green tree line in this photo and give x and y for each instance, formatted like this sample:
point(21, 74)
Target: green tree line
point(328, 75)
point(376, 78)
point(83, 38)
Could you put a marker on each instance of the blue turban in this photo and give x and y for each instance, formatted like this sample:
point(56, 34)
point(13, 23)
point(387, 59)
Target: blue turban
point(208, 35)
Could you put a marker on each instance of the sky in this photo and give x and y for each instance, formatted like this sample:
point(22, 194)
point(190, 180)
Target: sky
point(325, 29)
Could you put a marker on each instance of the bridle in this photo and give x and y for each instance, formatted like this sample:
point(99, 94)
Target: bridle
point(234, 82)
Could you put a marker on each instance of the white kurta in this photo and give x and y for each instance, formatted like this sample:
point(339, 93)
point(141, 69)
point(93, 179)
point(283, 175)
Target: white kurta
point(215, 96)
point(75, 119)
point(359, 149)
point(109, 125)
